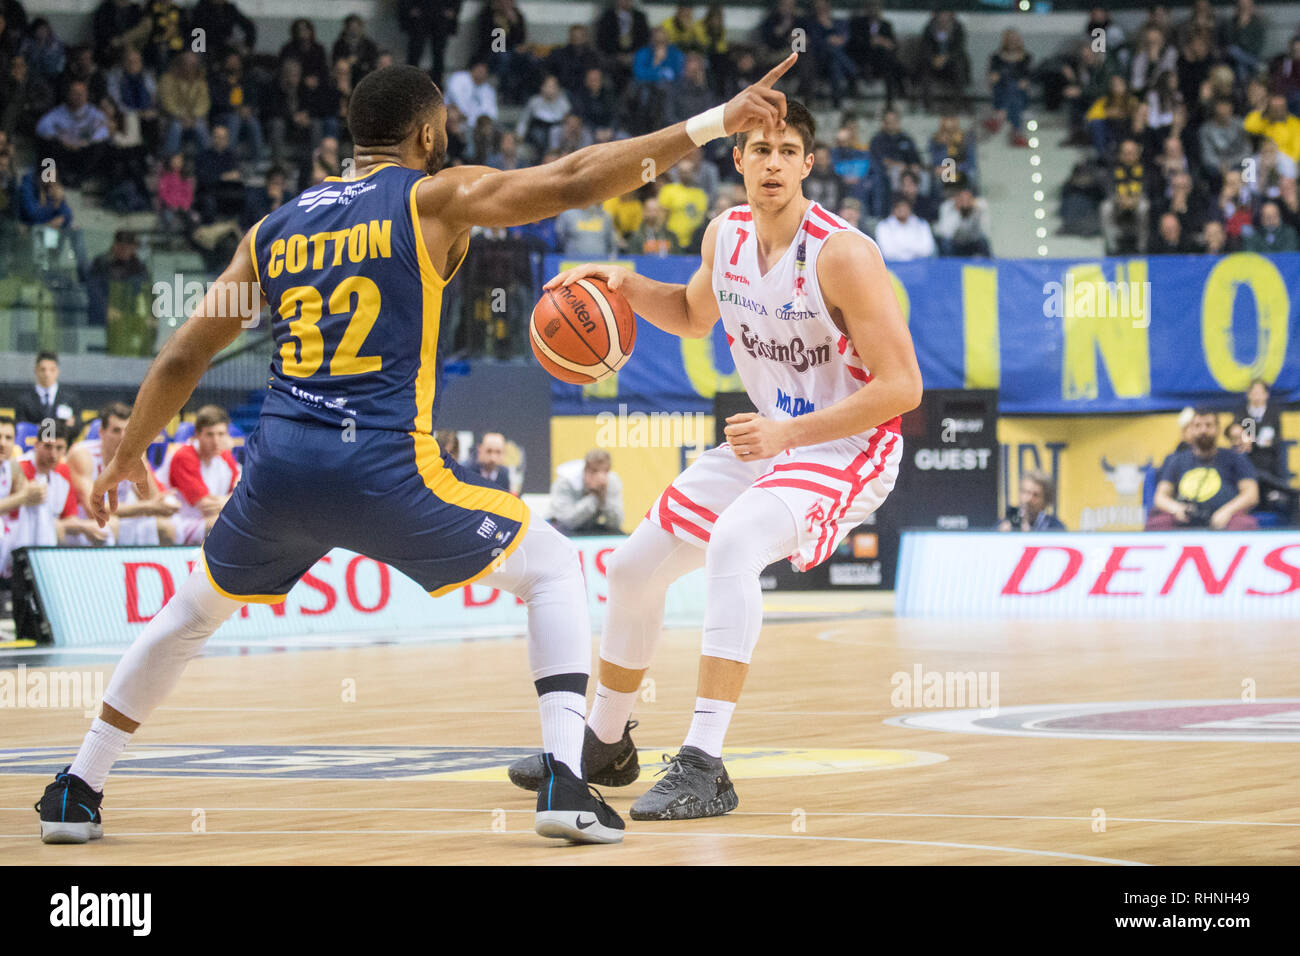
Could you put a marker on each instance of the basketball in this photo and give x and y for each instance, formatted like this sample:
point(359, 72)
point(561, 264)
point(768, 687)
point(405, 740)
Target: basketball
point(583, 332)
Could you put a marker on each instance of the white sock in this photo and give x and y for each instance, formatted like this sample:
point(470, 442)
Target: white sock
point(609, 713)
point(104, 743)
point(564, 720)
point(709, 725)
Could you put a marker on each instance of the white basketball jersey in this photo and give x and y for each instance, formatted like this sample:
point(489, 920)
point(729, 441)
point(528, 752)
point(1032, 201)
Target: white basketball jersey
point(790, 356)
point(131, 531)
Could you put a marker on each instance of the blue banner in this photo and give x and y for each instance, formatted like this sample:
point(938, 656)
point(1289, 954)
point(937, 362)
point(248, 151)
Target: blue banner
point(1053, 336)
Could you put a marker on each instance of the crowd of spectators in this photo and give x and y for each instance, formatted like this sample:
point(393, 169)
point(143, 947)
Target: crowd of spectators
point(1192, 128)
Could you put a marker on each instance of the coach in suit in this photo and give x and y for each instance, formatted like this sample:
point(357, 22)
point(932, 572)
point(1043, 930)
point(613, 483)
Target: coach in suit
point(490, 460)
point(47, 398)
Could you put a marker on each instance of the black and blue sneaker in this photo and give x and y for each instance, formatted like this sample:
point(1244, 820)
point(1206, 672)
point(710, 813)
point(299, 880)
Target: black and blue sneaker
point(69, 810)
point(568, 809)
point(606, 765)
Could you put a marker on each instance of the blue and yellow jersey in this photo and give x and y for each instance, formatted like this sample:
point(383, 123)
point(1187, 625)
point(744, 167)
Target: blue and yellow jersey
point(355, 302)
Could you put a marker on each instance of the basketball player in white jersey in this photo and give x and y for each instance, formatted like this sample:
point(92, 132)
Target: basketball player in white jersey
point(203, 473)
point(139, 521)
point(15, 491)
point(820, 343)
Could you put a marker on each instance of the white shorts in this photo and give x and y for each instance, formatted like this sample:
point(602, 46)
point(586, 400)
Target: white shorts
point(187, 529)
point(829, 488)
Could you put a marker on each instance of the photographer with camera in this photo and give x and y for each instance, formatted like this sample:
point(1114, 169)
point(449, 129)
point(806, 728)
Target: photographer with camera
point(1037, 494)
point(1205, 486)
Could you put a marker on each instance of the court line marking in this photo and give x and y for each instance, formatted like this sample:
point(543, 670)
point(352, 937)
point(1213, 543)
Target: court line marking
point(734, 813)
point(639, 833)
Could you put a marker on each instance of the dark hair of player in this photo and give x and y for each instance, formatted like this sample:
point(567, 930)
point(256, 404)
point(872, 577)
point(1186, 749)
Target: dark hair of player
point(797, 118)
point(386, 106)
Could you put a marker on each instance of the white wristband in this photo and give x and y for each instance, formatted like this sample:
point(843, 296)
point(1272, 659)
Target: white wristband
point(706, 126)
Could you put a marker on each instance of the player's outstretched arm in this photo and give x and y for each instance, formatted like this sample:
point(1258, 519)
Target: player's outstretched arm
point(174, 375)
point(689, 310)
point(466, 196)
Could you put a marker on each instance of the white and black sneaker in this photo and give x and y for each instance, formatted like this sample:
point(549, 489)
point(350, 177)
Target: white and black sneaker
point(568, 809)
point(69, 811)
point(693, 785)
point(606, 765)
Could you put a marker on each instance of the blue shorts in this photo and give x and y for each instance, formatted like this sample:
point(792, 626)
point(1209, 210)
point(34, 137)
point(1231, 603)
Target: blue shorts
point(391, 496)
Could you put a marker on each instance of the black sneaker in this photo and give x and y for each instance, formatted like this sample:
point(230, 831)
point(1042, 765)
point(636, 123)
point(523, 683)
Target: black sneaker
point(607, 765)
point(568, 809)
point(693, 785)
point(69, 811)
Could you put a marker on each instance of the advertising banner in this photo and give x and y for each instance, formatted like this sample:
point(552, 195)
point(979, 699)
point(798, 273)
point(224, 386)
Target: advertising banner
point(105, 596)
point(1176, 574)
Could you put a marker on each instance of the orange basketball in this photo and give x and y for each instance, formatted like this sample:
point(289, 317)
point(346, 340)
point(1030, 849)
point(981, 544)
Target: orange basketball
point(583, 332)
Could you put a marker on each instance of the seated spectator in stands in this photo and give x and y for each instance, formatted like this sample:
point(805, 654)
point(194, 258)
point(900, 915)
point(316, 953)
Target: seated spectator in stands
point(472, 92)
point(1205, 486)
point(653, 237)
point(1224, 143)
point(684, 31)
point(112, 22)
point(596, 102)
point(586, 233)
point(621, 30)
point(1261, 417)
point(874, 48)
point(1214, 240)
point(24, 98)
point(489, 460)
point(165, 34)
point(235, 105)
point(507, 154)
point(185, 102)
point(1242, 37)
point(775, 32)
point(923, 204)
point(963, 226)
point(1169, 239)
point(83, 68)
point(685, 202)
point(952, 155)
point(570, 135)
point(176, 189)
point(47, 399)
point(823, 185)
point(1271, 234)
point(691, 92)
point(1277, 123)
point(902, 236)
point(1284, 75)
point(1154, 55)
point(76, 135)
point(850, 210)
point(220, 186)
point(543, 113)
point(1275, 492)
point(501, 39)
point(289, 123)
point(943, 59)
point(1037, 494)
point(1182, 199)
point(355, 47)
point(134, 89)
point(569, 63)
point(303, 46)
point(627, 211)
point(204, 473)
point(827, 55)
point(894, 151)
point(857, 170)
point(44, 51)
point(1008, 78)
point(219, 19)
point(587, 496)
point(448, 442)
point(1234, 206)
point(42, 203)
point(139, 520)
point(1084, 78)
point(119, 292)
point(1126, 212)
point(1272, 168)
point(1113, 117)
point(484, 141)
point(261, 201)
point(1164, 110)
point(655, 70)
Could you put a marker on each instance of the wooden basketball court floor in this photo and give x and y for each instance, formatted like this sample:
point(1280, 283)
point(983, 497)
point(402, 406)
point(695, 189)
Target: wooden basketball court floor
point(818, 697)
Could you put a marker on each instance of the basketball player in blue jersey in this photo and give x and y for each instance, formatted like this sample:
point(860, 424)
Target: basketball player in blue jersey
point(353, 272)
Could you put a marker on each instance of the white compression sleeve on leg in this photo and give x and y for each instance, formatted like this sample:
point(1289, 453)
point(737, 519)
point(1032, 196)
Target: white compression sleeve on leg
point(153, 664)
point(639, 572)
point(545, 572)
point(755, 530)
